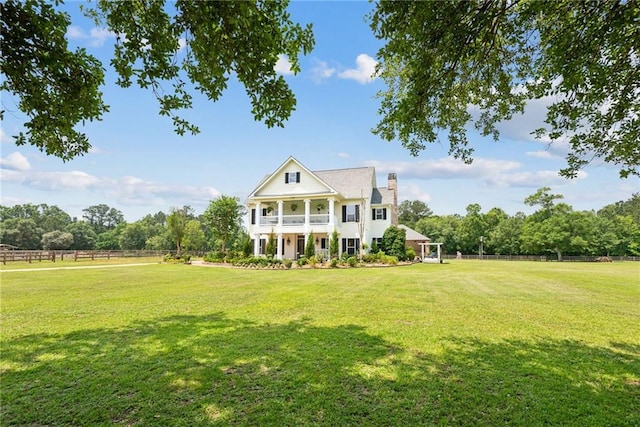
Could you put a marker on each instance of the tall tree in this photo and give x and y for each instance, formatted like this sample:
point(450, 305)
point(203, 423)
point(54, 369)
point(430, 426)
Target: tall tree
point(193, 239)
point(21, 232)
point(505, 236)
point(412, 211)
point(443, 229)
point(83, 235)
point(443, 60)
point(177, 222)
point(472, 229)
point(133, 236)
point(57, 240)
point(223, 216)
point(102, 217)
point(59, 89)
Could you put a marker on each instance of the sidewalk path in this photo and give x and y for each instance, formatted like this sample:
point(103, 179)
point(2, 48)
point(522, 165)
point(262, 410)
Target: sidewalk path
point(77, 268)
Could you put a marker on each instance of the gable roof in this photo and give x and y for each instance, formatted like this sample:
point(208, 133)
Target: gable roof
point(284, 165)
point(351, 183)
point(413, 234)
point(382, 196)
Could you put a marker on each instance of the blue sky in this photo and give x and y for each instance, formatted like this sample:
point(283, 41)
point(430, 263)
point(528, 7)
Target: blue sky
point(139, 165)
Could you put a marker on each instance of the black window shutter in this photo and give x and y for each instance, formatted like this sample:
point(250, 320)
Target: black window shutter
point(373, 213)
point(344, 213)
point(282, 246)
point(297, 176)
point(344, 245)
point(384, 213)
point(357, 213)
point(253, 216)
point(357, 245)
point(286, 177)
point(264, 211)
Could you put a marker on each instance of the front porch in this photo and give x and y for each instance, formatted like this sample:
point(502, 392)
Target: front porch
point(292, 245)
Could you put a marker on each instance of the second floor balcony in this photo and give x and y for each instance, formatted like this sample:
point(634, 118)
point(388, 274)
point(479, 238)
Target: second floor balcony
point(294, 220)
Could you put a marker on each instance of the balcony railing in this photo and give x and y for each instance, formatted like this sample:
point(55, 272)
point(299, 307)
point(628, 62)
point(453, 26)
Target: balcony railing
point(293, 220)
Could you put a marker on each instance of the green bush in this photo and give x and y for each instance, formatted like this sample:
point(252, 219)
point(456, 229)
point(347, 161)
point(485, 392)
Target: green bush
point(288, 263)
point(352, 261)
point(302, 261)
point(172, 258)
point(216, 256)
point(334, 262)
point(411, 253)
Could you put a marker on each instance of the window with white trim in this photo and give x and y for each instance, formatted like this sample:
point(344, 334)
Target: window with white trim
point(379, 214)
point(291, 177)
point(350, 213)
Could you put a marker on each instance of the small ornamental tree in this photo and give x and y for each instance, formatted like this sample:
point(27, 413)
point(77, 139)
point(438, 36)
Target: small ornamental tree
point(271, 246)
point(334, 245)
point(310, 249)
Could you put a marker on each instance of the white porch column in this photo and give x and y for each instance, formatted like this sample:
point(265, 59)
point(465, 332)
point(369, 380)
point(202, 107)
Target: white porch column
point(280, 212)
point(307, 210)
point(258, 213)
point(256, 245)
point(279, 246)
point(331, 210)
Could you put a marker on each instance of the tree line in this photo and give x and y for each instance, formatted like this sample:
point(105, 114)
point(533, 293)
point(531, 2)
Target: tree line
point(32, 227)
point(555, 228)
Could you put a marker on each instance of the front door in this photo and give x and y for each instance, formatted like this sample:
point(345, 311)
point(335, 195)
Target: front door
point(299, 246)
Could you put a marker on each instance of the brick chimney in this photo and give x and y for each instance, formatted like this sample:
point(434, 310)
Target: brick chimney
point(393, 186)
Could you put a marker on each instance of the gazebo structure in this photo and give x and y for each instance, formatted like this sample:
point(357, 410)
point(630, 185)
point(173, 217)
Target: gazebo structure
point(438, 259)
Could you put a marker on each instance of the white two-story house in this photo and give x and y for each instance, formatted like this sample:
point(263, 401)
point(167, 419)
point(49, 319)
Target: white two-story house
point(293, 202)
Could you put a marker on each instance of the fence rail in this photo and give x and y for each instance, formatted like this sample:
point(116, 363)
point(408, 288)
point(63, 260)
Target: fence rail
point(32, 256)
point(39, 256)
point(581, 258)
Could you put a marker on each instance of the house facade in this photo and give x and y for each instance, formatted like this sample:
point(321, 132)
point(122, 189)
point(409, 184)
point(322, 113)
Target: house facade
point(294, 203)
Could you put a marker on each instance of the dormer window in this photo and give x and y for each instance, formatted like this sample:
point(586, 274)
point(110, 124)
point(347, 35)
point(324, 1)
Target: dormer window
point(291, 177)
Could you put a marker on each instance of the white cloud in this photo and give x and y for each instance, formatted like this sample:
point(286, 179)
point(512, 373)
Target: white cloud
point(134, 191)
point(182, 43)
point(364, 71)
point(413, 192)
point(446, 168)
point(4, 137)
point(75, 33)
point(15, 161)
point(343, 155)
point(321, 71)
point(283, 66)
point(95, 38)
point(100, 35)
point(542, 154)
point(535, 179)
point(128, 190)
point(490, 172)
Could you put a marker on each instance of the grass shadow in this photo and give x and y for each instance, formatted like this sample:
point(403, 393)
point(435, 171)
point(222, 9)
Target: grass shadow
point(204, 370)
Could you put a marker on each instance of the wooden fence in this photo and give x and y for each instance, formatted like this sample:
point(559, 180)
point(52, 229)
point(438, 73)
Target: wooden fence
point(32, 256)
point(565, 258)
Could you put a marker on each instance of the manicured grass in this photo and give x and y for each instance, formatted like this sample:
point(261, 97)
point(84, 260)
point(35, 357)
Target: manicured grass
point(466, 343)
point(69, 262)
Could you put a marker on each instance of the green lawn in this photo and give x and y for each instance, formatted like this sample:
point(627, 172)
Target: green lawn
point(466, 343)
